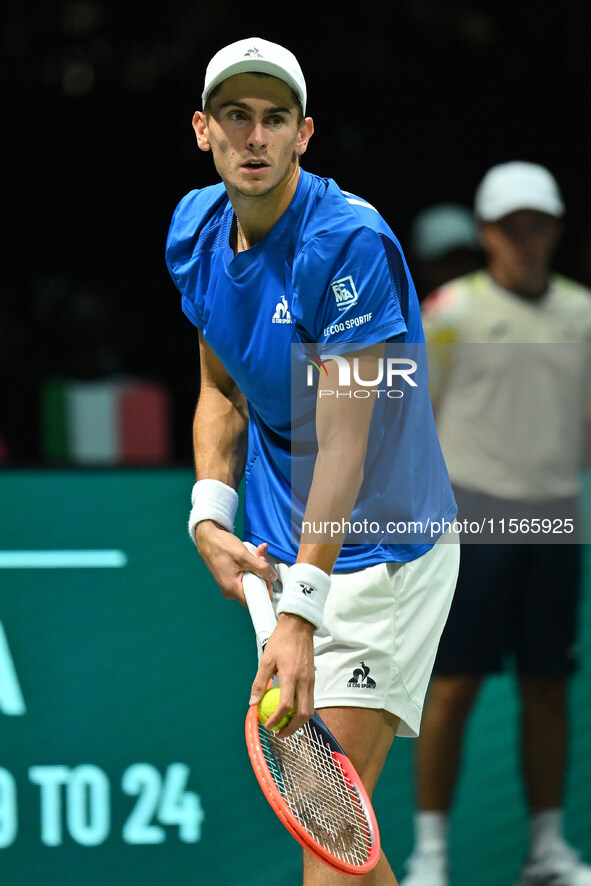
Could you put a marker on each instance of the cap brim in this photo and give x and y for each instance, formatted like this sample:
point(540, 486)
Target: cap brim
point(254, 65)
point(504, 208)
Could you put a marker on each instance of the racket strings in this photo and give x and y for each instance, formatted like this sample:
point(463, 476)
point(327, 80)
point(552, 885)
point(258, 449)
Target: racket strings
point(318, 792)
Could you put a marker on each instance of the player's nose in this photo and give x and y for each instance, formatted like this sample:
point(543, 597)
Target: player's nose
point(257, 136)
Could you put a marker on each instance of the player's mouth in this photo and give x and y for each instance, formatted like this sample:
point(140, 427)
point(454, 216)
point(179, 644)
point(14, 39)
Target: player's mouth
point(525, 257)
point(254, 165)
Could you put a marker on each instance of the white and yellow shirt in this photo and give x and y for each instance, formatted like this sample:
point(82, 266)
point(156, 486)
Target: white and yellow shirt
point(509, 381)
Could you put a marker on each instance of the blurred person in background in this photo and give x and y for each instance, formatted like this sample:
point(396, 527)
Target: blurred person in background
point(509, 390)
point(443, 245)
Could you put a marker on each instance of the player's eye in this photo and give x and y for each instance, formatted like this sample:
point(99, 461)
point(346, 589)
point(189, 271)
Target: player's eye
point(236, 115)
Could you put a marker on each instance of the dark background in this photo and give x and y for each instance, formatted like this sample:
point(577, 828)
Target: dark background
point(412, 100)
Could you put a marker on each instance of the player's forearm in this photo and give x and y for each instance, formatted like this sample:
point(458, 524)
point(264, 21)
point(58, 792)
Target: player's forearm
point(338, 474)
point(333, 493)
point(342, 430)
point(220, 434)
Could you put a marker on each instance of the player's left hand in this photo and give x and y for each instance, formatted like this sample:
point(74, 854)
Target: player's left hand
point(227, 559)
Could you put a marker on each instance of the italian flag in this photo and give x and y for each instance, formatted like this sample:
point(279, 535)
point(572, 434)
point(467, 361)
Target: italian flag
point(122, 421)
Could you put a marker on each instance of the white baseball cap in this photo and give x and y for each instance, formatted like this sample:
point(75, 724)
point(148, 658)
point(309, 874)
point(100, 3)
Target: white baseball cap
point(255, 54)
point(510, 187)
point(441, 229)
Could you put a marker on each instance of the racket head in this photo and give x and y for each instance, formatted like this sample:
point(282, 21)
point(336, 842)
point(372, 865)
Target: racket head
point(314, 789)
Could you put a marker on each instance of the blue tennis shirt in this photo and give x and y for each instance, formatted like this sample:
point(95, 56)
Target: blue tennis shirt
point(328, 278)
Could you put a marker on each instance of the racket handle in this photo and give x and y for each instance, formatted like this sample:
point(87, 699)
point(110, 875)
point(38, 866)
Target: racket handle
point(259, 604)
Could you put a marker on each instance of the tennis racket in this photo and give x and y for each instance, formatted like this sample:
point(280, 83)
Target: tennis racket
point(307, 778)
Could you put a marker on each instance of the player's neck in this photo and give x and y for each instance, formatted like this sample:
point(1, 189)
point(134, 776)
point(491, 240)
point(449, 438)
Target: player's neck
point(256, 215)
point(532, 287)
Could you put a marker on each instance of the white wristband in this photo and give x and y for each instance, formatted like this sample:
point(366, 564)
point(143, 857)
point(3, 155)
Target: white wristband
point(304, 592)
point(212, 500)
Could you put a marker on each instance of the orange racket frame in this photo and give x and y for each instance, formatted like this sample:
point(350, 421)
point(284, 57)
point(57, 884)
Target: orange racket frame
point(318, 737)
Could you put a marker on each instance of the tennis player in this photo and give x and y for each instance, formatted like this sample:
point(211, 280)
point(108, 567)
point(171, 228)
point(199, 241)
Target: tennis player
point(275, 257)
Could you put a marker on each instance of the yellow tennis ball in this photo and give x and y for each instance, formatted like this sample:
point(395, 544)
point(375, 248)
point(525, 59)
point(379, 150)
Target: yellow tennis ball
point(268, 705)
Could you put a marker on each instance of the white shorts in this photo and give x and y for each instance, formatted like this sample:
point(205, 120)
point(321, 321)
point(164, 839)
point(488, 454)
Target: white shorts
point(381, 629)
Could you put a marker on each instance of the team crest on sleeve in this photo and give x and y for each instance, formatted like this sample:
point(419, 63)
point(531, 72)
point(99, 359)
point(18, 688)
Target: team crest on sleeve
point(344, 292)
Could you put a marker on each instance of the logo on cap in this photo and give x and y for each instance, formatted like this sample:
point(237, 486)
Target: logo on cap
point(253, 53)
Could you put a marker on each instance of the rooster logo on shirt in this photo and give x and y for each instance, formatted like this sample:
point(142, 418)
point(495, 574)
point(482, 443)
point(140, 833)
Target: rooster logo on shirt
point(282, 314)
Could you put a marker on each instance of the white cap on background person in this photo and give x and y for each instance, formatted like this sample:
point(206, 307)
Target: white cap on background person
point(441, 229)
point(509, 187)
point(255, 55)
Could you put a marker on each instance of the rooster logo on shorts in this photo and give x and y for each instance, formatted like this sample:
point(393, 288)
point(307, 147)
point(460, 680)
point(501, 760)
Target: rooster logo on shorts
point(361, 678)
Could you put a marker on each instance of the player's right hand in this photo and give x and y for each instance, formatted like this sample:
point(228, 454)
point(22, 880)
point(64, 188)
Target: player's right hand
point(289, 653)
point(228, 559)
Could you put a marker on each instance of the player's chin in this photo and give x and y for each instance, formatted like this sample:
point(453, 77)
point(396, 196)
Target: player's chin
point(254, 188)
point(255, 184)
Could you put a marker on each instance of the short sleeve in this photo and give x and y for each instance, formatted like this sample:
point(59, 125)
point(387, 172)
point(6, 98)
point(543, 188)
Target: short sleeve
point(442, 314)
point(194, 231)
point(351, 289)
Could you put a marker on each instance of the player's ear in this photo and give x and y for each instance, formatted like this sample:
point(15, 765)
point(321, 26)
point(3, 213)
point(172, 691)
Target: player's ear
point(200, 127)
point(482, 232)
point(305, 133)
point(558, 232)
